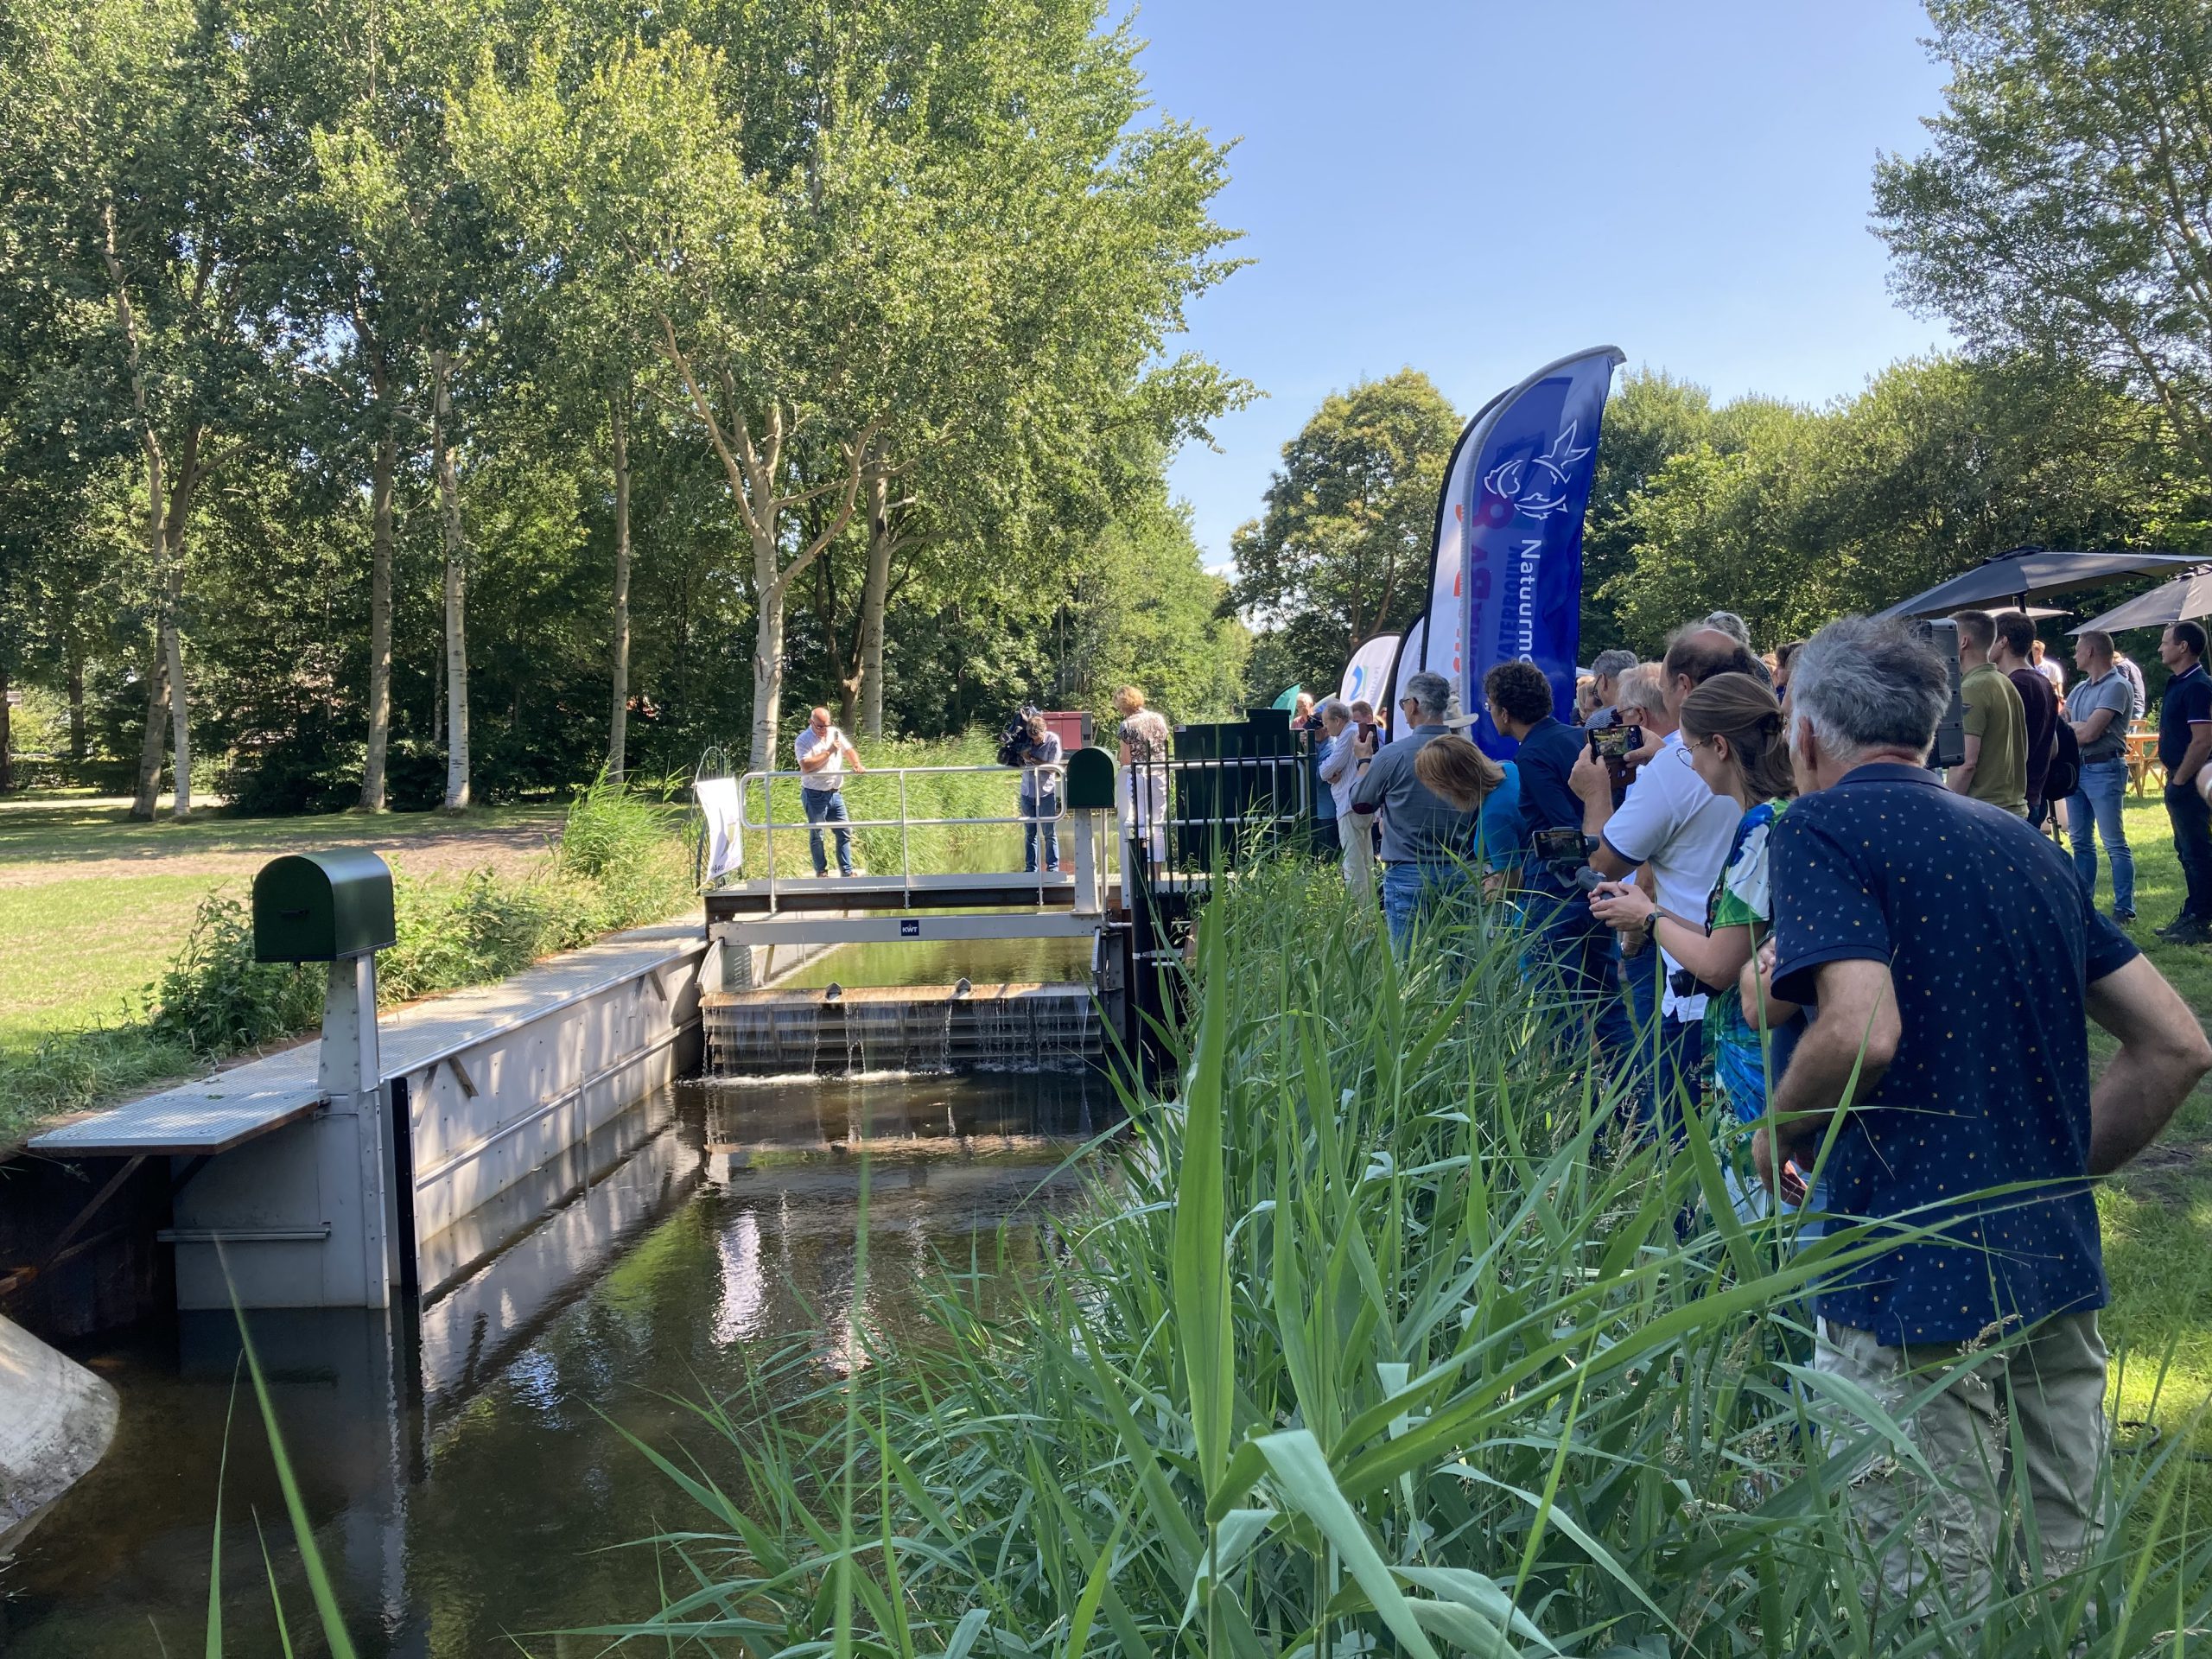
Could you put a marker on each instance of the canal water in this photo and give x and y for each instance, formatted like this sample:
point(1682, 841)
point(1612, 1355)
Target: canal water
point(466, 1470)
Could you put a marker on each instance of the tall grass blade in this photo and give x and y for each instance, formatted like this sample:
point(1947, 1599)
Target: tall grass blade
point(1200, 1268)
point(215, 1546)
point(326, 1601)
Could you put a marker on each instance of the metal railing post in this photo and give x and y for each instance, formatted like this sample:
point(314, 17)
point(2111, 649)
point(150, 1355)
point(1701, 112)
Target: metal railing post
point(905, 863)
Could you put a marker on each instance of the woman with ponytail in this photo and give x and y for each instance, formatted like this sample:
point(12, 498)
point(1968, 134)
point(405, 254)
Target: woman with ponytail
point(1738, 741)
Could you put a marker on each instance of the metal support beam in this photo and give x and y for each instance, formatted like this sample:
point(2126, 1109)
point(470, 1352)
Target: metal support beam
point(889, 929)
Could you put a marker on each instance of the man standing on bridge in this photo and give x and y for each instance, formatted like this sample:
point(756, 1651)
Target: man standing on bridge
point(823, 750)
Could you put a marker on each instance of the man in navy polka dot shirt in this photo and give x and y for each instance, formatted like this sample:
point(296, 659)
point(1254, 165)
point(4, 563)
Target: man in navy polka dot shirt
point(1952, 960)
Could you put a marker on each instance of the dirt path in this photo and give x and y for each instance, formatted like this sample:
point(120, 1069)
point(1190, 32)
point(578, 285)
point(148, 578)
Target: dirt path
point(51, 852)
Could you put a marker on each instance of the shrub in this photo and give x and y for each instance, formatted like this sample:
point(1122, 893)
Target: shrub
point(480, 928)
point(215, 999)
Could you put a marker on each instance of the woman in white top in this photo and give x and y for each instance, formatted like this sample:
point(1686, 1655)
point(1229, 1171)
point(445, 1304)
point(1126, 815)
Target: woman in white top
point(1342, 762)
point(1144, 772)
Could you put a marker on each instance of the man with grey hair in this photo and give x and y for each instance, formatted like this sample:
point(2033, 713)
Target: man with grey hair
point(1943, 1093)
point(1734, 626)
point(1606, 669)
point(1425, 837)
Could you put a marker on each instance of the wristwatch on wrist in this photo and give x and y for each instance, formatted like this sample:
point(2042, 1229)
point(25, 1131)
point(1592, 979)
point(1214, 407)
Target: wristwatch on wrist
point(1651, 926)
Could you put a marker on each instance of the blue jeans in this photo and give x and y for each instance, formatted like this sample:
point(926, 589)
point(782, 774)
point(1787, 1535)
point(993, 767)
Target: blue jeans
point(1049, 810)
point(1414, 894)
point(827, 806)
point(2192, 822)
point(2097, 801)
point(1566, 941)
point(1674, 1087)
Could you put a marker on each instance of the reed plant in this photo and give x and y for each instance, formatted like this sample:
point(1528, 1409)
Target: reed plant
point(1380, 1336)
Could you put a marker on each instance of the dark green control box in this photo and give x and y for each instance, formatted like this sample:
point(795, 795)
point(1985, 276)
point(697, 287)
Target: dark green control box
point(1090, 781)
point(322, 906)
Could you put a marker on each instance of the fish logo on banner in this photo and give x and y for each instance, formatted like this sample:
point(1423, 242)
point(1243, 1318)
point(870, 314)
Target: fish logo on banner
point(1369, 665)
point(1533, 457)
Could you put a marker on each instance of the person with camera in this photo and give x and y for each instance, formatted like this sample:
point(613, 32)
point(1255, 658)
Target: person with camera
point(1670, 822)
point(1033, 746)
point(1423, 835)
point(1606, 670)
point(823, 750)
point(1733, 731)
point(1944, 1096)
point(1567, 941)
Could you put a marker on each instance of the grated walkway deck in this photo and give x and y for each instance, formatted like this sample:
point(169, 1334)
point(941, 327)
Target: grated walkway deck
point(214, 1114)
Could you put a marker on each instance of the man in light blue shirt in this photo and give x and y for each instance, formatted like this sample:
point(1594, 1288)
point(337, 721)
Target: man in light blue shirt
point(1426, 840)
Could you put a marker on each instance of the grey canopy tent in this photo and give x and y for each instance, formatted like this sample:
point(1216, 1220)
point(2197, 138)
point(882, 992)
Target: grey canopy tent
point(2011, 577)
point(2175, 601)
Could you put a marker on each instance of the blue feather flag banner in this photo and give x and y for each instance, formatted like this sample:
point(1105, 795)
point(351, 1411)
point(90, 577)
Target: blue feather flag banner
point(1513, 515)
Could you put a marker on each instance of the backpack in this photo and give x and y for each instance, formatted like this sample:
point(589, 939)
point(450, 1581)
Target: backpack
point(2064, 775)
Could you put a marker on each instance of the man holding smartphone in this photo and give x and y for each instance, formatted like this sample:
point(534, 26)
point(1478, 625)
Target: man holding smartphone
point(1671, 821)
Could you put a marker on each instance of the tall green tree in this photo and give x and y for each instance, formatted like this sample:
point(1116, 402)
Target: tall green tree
point(142, 193)
point(1790, 515)
point(2065, 206)
point(924, 215)
point(1342, 551)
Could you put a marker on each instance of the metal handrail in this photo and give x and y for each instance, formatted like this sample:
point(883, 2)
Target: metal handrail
point(769, 823)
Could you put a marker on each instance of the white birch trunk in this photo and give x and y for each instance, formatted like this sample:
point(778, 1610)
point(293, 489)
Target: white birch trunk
point(381, 468)
point(151, 744)
point(457, 585)
point(873, 595)
point(619, 720)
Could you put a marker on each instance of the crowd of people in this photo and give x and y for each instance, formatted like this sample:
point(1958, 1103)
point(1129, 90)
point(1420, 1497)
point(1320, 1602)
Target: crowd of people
point(1758, 901)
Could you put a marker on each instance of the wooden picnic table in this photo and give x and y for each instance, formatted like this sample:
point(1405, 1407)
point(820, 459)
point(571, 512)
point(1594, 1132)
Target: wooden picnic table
point(2143, 756)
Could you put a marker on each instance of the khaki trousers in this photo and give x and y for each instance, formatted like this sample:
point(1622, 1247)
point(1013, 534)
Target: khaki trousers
point(2050, 1387)
point(1357, 831)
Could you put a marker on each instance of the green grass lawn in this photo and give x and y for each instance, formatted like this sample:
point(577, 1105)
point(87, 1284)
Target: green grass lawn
point(92, 906)
point(73, 953)
point(2158, 1214)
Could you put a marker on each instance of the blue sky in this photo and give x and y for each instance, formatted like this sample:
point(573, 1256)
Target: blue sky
point(1478, 189)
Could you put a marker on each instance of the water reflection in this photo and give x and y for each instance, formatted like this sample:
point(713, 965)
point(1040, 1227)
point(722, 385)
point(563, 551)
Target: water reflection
point(469, 1480)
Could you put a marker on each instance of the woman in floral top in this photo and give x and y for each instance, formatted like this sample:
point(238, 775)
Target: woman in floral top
point(1144, 771)
point(1739, 744)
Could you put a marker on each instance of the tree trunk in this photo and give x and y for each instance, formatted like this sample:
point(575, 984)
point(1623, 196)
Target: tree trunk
point(767, 653)
point(180, 714)
point(7, 738)
point(76, 697)
point(874, 594)
point(618, 413)
point(184, 480)
point(383, 465)
point(149, 792)
point(456, 584)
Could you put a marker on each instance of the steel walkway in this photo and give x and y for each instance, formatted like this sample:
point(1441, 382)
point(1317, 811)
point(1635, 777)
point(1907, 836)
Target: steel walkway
point(215, 1114)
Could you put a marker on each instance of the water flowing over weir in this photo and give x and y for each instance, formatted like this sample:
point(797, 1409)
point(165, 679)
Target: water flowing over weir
point(1005, 1027)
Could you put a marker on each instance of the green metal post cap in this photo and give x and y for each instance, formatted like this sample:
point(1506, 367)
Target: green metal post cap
point(1090, 781)
point(322, 906)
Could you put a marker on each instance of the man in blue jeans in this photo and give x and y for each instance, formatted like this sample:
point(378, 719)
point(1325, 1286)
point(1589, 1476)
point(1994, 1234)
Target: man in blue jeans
point(1424, 836)
point(2098, 707)
point(823, 750)
point(2185, 745)
point(1566, 939)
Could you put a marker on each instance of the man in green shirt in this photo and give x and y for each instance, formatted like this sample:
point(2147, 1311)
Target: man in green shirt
point(1996, 766)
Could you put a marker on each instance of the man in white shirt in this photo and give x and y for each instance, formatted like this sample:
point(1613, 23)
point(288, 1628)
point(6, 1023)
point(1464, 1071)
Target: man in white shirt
point(1675, 827)
point(823, 750)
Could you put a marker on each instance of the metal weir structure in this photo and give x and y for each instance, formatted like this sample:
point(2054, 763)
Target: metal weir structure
point(401, 1160)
